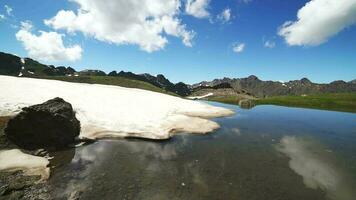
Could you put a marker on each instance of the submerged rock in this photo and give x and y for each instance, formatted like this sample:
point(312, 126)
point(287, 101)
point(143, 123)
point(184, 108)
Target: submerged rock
point(51, 125)
point(246, 103)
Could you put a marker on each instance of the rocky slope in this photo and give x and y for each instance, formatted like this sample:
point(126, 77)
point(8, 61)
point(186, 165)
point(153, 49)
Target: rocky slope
point(15, 66)
point(160, 81)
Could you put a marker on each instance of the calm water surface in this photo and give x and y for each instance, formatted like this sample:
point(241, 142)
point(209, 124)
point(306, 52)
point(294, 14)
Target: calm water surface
point(266, 153)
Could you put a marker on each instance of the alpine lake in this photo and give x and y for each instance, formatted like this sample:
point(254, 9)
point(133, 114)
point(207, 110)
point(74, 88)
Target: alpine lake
point(264, 153)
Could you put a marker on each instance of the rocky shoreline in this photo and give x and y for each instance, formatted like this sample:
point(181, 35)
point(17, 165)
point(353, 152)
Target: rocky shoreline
point(15, 185)
point(25, 132)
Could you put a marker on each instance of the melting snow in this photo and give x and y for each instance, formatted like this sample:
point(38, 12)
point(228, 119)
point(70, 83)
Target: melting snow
point(112, 111)
point(201, 97)
point(13, 160)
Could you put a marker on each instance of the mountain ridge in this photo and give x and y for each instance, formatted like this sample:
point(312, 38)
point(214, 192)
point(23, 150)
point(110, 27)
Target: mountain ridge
point(250, 86)
point(261, 89)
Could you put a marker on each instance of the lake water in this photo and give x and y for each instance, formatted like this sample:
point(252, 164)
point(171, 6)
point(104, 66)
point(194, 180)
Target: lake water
point(265, 153)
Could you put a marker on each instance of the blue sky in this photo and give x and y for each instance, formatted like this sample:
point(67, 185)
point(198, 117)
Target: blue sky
point(309, 47)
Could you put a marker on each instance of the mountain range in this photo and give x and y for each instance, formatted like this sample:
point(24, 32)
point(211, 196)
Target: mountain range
point(251, 86)
point(258, 88)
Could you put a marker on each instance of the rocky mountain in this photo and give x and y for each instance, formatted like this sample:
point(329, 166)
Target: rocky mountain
point(259, 88)
point(160, 81)
point(16, 66)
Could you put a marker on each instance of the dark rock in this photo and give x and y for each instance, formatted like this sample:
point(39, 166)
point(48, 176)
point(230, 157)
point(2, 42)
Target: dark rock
point(50, 125)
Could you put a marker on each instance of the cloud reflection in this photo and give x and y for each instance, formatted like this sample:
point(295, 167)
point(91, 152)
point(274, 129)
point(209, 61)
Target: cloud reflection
point(319, 172)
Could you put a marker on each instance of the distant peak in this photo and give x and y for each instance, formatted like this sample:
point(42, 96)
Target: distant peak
point(305, 80)
point(252, 77)
point(160, 76)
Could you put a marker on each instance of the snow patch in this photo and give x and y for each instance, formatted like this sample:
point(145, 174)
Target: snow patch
point(14, 160)
point(22, 60)
point(112, 111)
point(201, 97)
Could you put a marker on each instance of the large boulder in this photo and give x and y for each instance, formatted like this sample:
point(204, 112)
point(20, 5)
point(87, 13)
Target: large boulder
point(246, 103)
point(51, 125)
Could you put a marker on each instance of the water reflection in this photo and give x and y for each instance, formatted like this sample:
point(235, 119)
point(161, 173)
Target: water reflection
point(71, 178)
point(232, 163)
point(309, 160)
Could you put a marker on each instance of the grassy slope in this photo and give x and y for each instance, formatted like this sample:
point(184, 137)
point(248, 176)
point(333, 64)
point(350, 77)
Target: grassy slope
point(345, 102)
point(108, 80)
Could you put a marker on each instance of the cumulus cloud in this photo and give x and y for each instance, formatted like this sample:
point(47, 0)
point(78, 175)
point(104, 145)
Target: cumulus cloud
point(197, 8)
point(238, 47)
point(225, 15)
point(319, 20)
point(145, 23)
point(269, 44)
point(8, 10)
point(2, 17)
point(47, 46)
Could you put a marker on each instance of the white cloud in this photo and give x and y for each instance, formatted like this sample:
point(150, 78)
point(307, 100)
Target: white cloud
point(225, 15)
point(8, 10)
point(197, 8)
point(319, 20)
point(139, 22)
point(238, 47)
point(48, 46)
point(269, 44)
point(2, 17)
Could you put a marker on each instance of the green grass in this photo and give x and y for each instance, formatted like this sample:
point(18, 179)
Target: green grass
point(109, 80)
point(345, 102)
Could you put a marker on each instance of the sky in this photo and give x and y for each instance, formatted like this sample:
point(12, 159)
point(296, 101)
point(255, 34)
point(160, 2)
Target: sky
point(188, 40)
